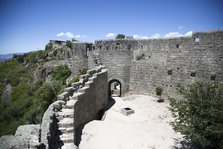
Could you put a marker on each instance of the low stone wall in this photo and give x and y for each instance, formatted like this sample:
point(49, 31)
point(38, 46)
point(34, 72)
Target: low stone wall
point(48, 123)
point(76, 106)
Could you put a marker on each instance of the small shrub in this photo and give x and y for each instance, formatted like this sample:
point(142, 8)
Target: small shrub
point(74, 39)
point(159, 91)
point(69, 43)
point(19, 58)
point(41, 54)
point(82, 71)
point(75, 79)
point(61, 73)
point(120, 36)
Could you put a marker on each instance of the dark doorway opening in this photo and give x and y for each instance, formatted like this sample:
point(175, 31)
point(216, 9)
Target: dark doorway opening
point(114, 88)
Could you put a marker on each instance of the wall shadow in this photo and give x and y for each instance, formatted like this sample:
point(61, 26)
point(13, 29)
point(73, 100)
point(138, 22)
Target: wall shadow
point(100, 116)
point(111, 102)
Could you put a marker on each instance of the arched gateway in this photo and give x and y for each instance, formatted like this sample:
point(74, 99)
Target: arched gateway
point(114, 88)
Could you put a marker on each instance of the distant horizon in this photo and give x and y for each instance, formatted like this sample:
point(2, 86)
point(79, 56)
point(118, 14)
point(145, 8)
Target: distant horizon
point(29, 25)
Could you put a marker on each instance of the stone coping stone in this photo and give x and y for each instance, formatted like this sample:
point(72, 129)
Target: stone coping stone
point(69, 146)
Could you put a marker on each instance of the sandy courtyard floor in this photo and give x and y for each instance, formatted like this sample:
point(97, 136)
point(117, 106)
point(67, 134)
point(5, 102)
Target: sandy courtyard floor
point(147, 128)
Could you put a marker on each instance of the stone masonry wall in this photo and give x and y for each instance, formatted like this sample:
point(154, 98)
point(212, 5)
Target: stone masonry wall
point(141, 65)
point(116, 56)
point(168, 62)
point(76, 106)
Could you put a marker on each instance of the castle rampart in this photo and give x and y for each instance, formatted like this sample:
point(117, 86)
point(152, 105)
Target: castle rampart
point(144, 64)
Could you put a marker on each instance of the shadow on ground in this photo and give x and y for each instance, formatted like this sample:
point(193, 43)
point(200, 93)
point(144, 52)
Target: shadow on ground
point(100, 116)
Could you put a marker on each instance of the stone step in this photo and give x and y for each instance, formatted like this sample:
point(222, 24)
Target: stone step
point(88, 83)
point(65, 130)
point(67, 138)
point(70, 104)
point(66, 122)
point(67, 113)
point(82, 90)
point(69, 146)
point(76, 94)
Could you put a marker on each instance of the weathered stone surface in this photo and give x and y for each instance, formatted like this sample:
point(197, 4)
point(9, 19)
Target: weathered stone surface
point(6, 94)
point(69, 90)
point(141, 65)
point(69, 146)
point(25, 136)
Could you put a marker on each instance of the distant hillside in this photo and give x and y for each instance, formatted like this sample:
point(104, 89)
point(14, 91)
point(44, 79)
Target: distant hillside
point(30, 82)
point(4, 57)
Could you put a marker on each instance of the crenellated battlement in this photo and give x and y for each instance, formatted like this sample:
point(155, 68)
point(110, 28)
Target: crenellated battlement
point(141, 65)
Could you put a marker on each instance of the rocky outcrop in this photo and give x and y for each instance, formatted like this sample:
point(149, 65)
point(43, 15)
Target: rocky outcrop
point(6, 94)
point(60, 54)
point(26, 136)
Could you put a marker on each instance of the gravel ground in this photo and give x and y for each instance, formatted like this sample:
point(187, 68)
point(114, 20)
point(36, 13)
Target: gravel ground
point(147, 128)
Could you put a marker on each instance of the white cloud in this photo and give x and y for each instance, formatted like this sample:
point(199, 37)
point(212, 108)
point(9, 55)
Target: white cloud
point(169, 35)
point(136, 37)
point(77, 36)
point(140, 37)
point(61, 34)
point(155, 36)
point(145, 37)
point(70, 35)
point(172, 35)
point(180, 27)
point(110, 35)
point(188, 33)
point(177, 34)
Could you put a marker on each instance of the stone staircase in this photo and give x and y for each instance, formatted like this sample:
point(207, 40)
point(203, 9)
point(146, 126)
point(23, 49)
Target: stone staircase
point(66, 119)
point(66, 123)
point(63, 117)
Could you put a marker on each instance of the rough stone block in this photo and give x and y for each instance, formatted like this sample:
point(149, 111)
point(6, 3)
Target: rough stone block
point(127, 111)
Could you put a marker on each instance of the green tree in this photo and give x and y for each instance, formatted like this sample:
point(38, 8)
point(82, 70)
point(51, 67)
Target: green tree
point(61, 73)
point(120, 36)
point(49, 46)
point(200, 115)
point(74, 39)
point(69, 43)
point(47, 94)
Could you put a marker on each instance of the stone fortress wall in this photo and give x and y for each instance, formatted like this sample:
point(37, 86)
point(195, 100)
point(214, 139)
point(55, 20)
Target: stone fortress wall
point(141, 65)
point(77, 105)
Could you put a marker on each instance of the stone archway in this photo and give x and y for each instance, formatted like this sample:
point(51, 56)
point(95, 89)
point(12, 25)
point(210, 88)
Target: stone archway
point(114, 88)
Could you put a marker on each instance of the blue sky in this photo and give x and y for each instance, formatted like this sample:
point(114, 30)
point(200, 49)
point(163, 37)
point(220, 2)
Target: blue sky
point(27, 25)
